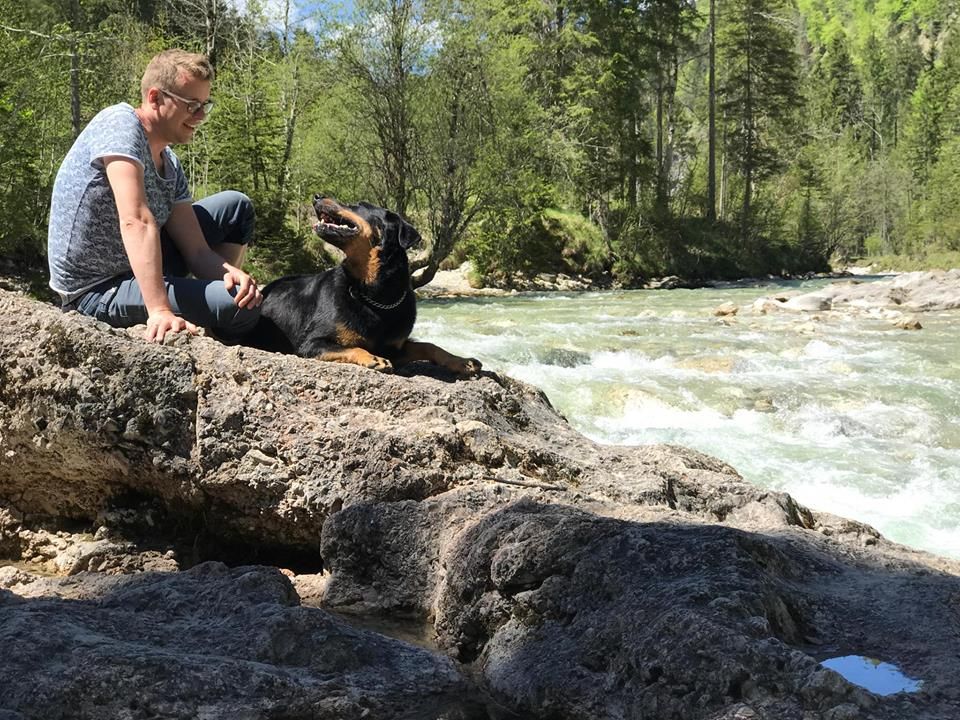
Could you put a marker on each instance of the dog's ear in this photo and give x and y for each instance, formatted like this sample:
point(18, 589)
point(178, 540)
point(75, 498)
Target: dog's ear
point(378, 228)
point(409, 237)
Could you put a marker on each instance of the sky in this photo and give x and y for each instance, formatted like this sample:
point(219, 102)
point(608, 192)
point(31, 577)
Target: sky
point(309, 14)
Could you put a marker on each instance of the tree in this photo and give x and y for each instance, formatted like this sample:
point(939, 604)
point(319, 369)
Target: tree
point(759, 90)
point(671, 24)
point(383, 50)
point(456, 121)
point(711, 213)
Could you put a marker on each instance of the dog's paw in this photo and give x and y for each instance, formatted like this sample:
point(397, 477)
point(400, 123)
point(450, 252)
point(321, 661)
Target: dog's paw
point(379, 364)
point(466, 366)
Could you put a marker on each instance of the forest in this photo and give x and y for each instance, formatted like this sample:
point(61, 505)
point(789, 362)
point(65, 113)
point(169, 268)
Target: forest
point(615, 139)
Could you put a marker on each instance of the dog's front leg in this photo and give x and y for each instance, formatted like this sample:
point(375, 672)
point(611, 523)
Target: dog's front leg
point(345, 347)
point(357, 356)
point(412, 351)
point(323, 349)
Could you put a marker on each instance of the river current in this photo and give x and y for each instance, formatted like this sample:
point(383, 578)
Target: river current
point(846, 413)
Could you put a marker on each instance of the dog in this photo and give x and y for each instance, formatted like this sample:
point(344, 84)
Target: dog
point(363, 310)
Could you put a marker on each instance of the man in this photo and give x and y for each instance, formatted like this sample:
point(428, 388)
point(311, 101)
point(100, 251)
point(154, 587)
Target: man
point(124, 231)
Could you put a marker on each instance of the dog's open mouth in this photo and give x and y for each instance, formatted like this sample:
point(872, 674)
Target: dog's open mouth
point(335, 223)
point(331, 224)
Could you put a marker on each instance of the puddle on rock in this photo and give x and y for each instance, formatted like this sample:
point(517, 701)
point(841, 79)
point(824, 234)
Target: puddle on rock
point(878, 677)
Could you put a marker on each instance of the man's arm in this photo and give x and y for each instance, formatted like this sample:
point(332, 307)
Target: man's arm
point(184, 229)
point(141, 240)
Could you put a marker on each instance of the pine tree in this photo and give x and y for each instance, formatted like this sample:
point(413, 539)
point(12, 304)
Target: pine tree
point(759, 89)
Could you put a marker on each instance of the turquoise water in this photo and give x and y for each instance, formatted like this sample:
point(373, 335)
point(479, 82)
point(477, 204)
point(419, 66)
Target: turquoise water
point(878, 677)
point(846, 413)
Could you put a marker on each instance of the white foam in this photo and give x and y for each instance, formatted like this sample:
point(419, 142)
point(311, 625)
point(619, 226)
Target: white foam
point(855, 420)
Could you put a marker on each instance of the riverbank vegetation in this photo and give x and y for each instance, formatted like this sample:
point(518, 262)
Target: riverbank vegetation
point(613, 139)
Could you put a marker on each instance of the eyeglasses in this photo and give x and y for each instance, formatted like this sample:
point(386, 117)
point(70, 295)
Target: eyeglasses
point(193, 106)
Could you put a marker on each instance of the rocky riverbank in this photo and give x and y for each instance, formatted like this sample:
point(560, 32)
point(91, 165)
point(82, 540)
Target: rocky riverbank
point(462, 282)
point(171, 514)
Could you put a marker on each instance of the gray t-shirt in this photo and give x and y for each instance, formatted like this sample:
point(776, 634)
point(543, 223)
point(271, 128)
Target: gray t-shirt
point(84, 247)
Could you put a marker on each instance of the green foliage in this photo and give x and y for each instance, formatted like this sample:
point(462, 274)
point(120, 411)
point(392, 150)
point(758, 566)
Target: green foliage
point(759, 90)
point(529, 135)
point(580, 245)
point(944, 260)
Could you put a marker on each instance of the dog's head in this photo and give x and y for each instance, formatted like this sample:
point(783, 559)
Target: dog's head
point(357, 228)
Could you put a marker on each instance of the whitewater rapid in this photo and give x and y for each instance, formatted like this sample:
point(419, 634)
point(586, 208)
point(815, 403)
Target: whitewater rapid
point(846, 413)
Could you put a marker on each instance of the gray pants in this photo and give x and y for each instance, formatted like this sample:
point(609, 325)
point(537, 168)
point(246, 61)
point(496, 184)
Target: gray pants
point(225, 217)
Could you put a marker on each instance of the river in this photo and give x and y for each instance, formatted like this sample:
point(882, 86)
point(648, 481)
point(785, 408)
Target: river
point(846, 413)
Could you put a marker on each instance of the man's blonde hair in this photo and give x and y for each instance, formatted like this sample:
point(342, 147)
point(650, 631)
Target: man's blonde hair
point(165, 69)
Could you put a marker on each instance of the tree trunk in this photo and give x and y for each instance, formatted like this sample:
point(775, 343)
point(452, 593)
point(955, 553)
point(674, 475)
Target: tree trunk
point(712, 121)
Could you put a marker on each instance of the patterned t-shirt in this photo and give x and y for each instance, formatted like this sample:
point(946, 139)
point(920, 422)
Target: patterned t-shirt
point(84, 247)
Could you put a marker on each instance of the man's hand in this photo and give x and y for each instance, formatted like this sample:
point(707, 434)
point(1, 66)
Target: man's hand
point(248, 294)
point(163, 322)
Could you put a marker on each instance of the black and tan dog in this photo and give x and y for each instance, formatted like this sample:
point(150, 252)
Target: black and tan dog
point(363, 310)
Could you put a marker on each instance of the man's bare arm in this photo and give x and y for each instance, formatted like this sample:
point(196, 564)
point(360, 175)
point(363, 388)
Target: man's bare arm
point(141, 240)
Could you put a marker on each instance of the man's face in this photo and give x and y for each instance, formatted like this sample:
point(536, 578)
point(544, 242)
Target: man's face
point(176, 119)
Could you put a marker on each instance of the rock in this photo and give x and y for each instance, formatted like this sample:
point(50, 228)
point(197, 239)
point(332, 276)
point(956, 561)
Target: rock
point(460, 282)
point(908, 322)
point(911, 292)
point(763, 306)
point(670, 282)
point(575, 579)
point(569, 614)
point(564, 357)
point(710, 364)
point(727, 308)
point(209, 642)
point(333, 435)
point(812, 302)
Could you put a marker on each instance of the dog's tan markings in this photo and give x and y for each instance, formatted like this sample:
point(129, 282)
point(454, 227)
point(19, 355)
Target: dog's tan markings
point(413, 351)
point(349, 338)
point(363, 253)
point(358, 356)
point(373, 266)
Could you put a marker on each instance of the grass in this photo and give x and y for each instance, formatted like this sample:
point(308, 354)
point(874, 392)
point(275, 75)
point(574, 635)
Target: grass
point(943, 260)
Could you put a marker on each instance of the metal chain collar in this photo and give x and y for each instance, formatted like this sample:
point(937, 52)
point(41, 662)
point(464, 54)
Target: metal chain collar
point(357, 295)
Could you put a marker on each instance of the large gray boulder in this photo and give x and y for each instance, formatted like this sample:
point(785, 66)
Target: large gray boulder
point(565, 578)
point(210, 642)
point(262, 448)
point(925, 291)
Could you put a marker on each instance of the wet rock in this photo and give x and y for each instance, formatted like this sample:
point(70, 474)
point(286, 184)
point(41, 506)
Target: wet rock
point(565, 357)
point(908, 322)
point(813, 302)
point(764, 306)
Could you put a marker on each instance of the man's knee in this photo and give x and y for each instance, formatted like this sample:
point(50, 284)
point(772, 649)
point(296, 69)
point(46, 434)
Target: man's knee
point(227, 216)
point(243, 321)
point(230, 321)
point(242, 215)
